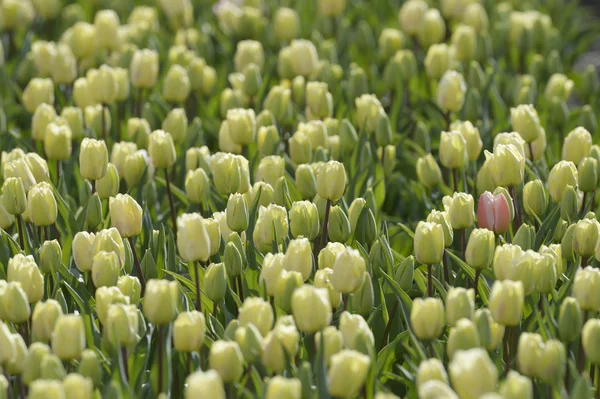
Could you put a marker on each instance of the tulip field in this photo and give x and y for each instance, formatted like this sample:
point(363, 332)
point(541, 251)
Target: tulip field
point(299, 199)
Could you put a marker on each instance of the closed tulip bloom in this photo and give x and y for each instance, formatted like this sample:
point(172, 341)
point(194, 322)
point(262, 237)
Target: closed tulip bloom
point(227, 360)
point(38, 91)
point(559, 87)
point(577, 145)
point(411, 16)
point(529, 353)
point(453, 150)
point(330, 341)
point(161, 149)
point(304, 220)
point(271, 271)
point(343, 364)
point(122, 324)
point(6, 219)
point(230, 173)
point(535, 199)
point(237, 213)
point(14, 305)
point(105, 269)
point(45, 315)
point(460, 303)
point(299, 258)
point(513, 138)
point(258, 312)
point(526, 122)
point(93, 119)
point(311, 308)
point(348, 271)
point(242, 125)
point(427, 318)
point(19, 168)
point(176, 86)
point(490, 332)
point(46, 388)
point(493, 212)
point(464, 335)
point(331, 182)
point(563, 174)
point(464, 40)
point(590, 336)
point(197, 185)
point(281, 340)
point(286, 24)
point(134, 167)
point(68, 337)
point(188, 331)
point(42, 204)
point(161, 301)
point(125, 215)
point(480, 248)
point(103, 85)
point(105, 297)
point(43, 116)
point(193, 241)
point(83, 252)
point(506, 302)
point(14, 199)
point(355, 329)
point(472, 138)
point(431, 370)
point(130, 286)
point(438, 60)
point(176, 124)
point(585, 237)
point(82, 95)
point(507, 165)
point(52, 368)
point(587, 174)
point(57, 142)
point(429, 243)
point(451, 91)
point(272, 222)
point(516, 386)
point(428, 171)
point(144, 69)
point(93, 159)
point(204, 384)
point(472, 373)
point(120, 152)
point(436, 389)
point(109, 240)
point(24, 270)
point(32, 367)
point(215, 282)
point(585, 288)
point(76, 385)
point(461, 208)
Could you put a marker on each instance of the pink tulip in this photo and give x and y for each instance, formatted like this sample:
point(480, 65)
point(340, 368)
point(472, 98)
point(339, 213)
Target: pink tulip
point(493, 212)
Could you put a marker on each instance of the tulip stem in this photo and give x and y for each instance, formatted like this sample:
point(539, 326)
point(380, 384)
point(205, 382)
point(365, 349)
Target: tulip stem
point(58, 168)
point(517, 221)
point(9, 389)
point(345, 300)
point(240, 287)
point(123, 360)
point(197, 281)
point(138, 267)
point(463, 243)
point(445, 266)
point(583, 205)
point(171, 205)
point(506, 349)
point(581, 356)
point(388, 326)
point(455, 179)
point(476, 281)
point(325, 224)
point(429, 281)
point(21, 232)
point(597, 378)
point(160, 359)
point(103, 118)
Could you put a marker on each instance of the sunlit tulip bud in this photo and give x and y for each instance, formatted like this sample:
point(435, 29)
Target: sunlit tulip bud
point(227, 360)
point(44, 55)
point(82, 95)
point(368, 111)
point(57, 142)
point(37, 92)
point(348, 271)
point(31, 372)
point(298, 257)
point(271, 225)
point(516, 386)
point(303, 58)
point(526, 122)
point(19, 168)
point(286, 24)
point(233, 259)
point(585, 237)
point(248, 52)
point(287, 283)
point(176, 124)
point(105, 269)
point(342, 364)
point(507, 293)
point(564, 173)
point(304, 220)
point(577, 145)
point(339, 229)
point(144, 69)
point(311, 308)
point(427, 318)
point(472, 373)
point(438, 60)
point(429, 243)
point(587, 174)
point(553, 362)
point(544, 274)
point(431, 370)
point(271, 271)
point(24, 270)
point(103, 84)
point(241, 125)
point(306, 183)
point(83, 40)
point(411, 16)
point(45, 315)
point(107, 23)
point(92, 116)
point(558, 86)
point(125, 215)
point(513, 138)
point(42, 204)
point(129, 286)
point(490, 332)
point(75, 385)
point(475, 15)
point(108, 186)
point(68, 337)
point(215, 282)
point(83, 252)
point(460, 303)
point(331, 182)
point(319, 102)
point(436, 389)
point(329, 254)
point(493, 213)
point(451, 91)
point(204, 384)
point(230, 173)
point(472, 139)
point(197, 186)
point(323, 280)
point(14, 199)
point(535, 199)
point(258, 312)
point(46, 388)
point(138, 131)
point(464, 335)
point(6, 218)
point(89, 366)
point(585, 288)
point(589, 339)
point(278, 102)
point(279, 387)
point(428, 171)
point(529, 353)
point(122, 325)
point(161, 301)
point(464, 40)
point(161, 149)
point(252, 80)
point(250, 341)
point(135, 166)
point(52, 368)
point(197, 157)
point(93, 159)
point(300, 148)
point(193, 241)
point(188, 331)
point(176, 86)
point(507, 165)
point(389, 42)
point(569, 207)
point(43, 116)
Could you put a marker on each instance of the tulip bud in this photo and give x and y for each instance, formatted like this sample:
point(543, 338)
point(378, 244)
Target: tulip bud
point(432, 30)
point(428, 171)
point(311, 308)
point(103, 85)
point(570, 320)
point(249, 339)
point(43, 116)
point(453, 150)
point(431, 370)
point(13, 196)
point(516, 386)
point(75, 385)
point(122, 324)
point(553, 362)
point(202, 384)
point(329, 254)
point(507, 165)
point(558, 86)
point(490, 332)
point(176, 86)
point(89, 366)
point(215, 282)
point(32, 367)
point(348, 271)
point(577, 145)
point(535, 200)
point(57, 142)
point(46, 388)
point(230, 173)
point(93, 212)
point(83, 250)
point(585, 237)
point(460, 303)
point(461, 211)
point(125, 215)
point(130, 287)
point(227, 360)
point(451, 91)
point(119, 154)
point(587, 174)
point(188, 331)
point(493, 212)
point(344, 363)
point(258, 312)
point(462, 336)
point(585, 288)
point(472, 138)
point(42, 205)
point(105, 269)
point(507, 293)
point(38, 91)
point(176, 124)
point(529, 353)
point(436, 389)
point(564, 173)
point(271, 223)
point(68, 337)
point(464, 40)
point(472, 373)
point(45, 315)
point(338, 225)
point(526, 122)
point(108, 186)
point(144, 68)
point(427, 318)
point(480, 248)
point(333, 172)
point(319, 102)
point(304, 220)
point(569, 207)
point(161, 301)
point(287, 283)
point(429, 243)
point(161, 149)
